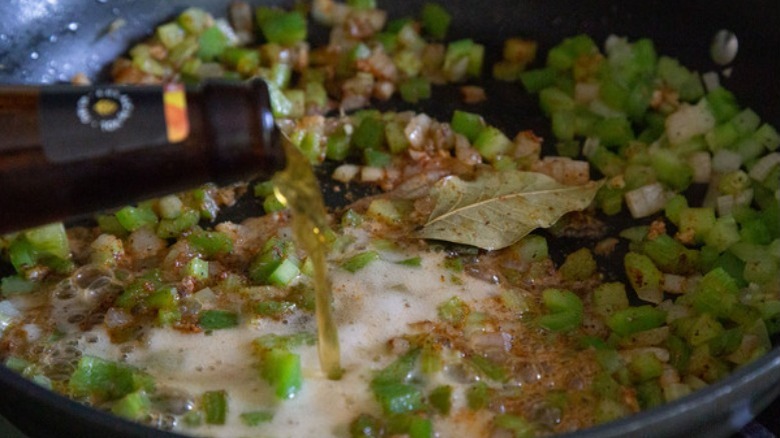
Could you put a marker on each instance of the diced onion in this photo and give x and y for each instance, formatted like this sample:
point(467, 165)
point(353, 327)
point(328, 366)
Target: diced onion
point(761, 169)
point(371, 174)
point(586, 92)
point(346, 172)
point(701, 163)
point(689, 121)
point(417, 131)
point(646, 200)
point(725, 161)
point(711, 80)
point(7, 314)
point(725, 204)
point(675, 284)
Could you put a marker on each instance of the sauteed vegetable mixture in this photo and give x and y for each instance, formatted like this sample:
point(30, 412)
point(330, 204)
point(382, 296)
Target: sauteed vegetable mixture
point(456, 314)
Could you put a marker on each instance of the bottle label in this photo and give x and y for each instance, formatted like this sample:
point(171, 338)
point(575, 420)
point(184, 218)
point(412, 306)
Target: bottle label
point(88, 122)
point(176, 120)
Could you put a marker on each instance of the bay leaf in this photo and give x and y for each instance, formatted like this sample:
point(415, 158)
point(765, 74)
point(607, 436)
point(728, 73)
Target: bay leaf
point(497, 209)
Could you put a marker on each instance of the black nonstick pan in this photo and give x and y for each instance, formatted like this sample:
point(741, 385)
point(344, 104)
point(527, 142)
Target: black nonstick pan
point(48, 41)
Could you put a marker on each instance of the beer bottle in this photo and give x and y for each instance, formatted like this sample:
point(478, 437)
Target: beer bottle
point(70, 150)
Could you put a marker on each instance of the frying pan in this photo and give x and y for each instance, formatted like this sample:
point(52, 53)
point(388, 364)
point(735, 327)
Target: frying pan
point(47, 41)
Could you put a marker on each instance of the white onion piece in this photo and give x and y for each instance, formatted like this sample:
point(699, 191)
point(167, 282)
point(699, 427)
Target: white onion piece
point(711, 80)
point(589, 146)
point(725, 161)
point(145, 243)
point(346, 172)
point(417, 131)
point(586, 92)
point(7, 314)
point(689, 121)
point(701, 163)
point(646, 200)
point(763, 166)
point(725, 204)
point(371, 174)
point(675, 284)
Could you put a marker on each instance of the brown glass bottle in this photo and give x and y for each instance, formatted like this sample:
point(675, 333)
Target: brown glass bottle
point(68, 150)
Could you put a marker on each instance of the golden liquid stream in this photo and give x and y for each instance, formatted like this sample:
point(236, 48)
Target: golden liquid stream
point(297, 188)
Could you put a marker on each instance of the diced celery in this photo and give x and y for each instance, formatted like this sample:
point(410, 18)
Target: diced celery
point(359, 261)
point(716, 293)
point(519, 426)
point(491, 142)
point(566, 310)
point(284, 273)
point(362, 4)
point(397, 398)
point(162, 298)
point(435, 20)
point(132, 218)
point(170, 34)
point(441, 399)
point(169, 228)
point(215, 406)
point(723, 104)
point(564, 55)
point(650, 394)
point(337, 146)
point(395, 137)
point(194, 20)
point(537, 80)
point(563, 124)
point(609, 298)
point(255, 418)
point(375, 158)
point(697, 219)
point(636, 319)
point(285, 28)
point(470, 125)
point(755, 231)
point(614, 94)
point(14, 284)
point(613, 131)
point(282, 369)
point(674, 206)
point(105, 380)
point(553, 99)
point(669, 255)
point(212, 42)
point(645, 366)
point(671, 170)
point(606, 161)
point(370, 133)
point(644, 276)
point(463, 52)
point(453, 311)
point(767, 136)
point(746, 122)
point(384, 210)
point(477, 396)
point(133, 406)
point(210, 243)
point(366, 426)
point(687, 84)
point(531, 248)
point(415, 89)
point(217, 319)
point(488, 368)
point(245, 61)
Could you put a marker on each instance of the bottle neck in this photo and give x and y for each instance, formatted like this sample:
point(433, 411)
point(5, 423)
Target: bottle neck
point(19, 118)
